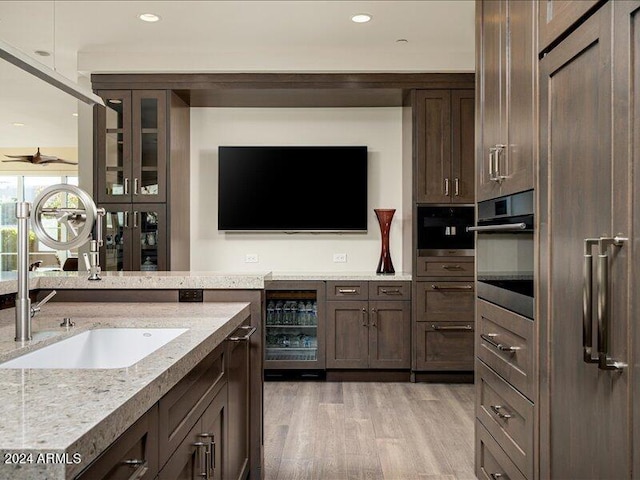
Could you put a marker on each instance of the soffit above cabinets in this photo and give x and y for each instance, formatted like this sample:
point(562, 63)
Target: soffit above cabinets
point(287, 89)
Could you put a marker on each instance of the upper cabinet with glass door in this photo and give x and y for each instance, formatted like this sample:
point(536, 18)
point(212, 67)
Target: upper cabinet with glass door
point(131, 146)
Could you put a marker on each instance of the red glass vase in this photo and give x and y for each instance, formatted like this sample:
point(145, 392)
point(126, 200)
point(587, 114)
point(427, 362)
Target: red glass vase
point(385, 265)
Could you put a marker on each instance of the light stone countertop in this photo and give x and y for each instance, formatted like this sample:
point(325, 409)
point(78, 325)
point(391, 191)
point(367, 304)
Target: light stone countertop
point(177, 280)
point(84, 411)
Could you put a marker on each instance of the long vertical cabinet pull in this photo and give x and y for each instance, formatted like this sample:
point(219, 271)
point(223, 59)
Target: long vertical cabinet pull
point(602, 303)
point(492, 173)
point(587, 302)
point(446, 187)
point(365, 322)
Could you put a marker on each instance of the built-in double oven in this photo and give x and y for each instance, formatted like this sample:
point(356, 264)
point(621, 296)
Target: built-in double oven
point(504, 252)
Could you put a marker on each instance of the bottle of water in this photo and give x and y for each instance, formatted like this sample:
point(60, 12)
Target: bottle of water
point(308, 313)
point(301, 313)
point(314, 318)
point(293, 313)
point(278, 313)
point(271, 313)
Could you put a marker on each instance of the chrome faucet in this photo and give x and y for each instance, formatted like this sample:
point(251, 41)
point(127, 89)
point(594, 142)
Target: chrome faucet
point(24, 311)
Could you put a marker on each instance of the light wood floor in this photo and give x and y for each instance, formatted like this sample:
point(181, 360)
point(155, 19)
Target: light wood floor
point(372, 431)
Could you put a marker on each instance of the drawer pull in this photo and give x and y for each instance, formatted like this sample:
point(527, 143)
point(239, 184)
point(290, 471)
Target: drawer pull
point(498, 409)
point(348, 291)
point(141, 467)
point(452, 267)
point(498, 346)
point(452, 287)
point(391, 291)
point(246, 337)
point(452, 327)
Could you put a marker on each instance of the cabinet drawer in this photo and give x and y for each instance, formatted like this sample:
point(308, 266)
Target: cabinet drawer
point(504, 342)
point(444, 346)
point(389, 290)
point(135, 451)
point(445, 301)
point(181, 407)
point(347, 291)
point(507, 415)
point(445, 267)
point(491, 461)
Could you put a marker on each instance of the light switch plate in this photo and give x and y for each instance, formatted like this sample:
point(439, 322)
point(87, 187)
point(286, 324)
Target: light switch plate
point(251, 258)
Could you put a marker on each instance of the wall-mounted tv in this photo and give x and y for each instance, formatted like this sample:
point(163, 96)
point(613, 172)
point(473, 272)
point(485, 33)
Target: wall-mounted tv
point(292, 188)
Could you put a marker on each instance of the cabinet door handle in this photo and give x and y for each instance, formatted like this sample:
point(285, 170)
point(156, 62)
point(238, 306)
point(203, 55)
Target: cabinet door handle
point(246, 337)
point(204, 472)
point(126, 219)
point(602, 303)
point(452, 327)
point(364, 317)
point(141, 467)
point(496, 476)
point(452, 287)
point(487, 337)
point(446, 187)
point(456, 187)
point(453, 268)
point(348, 291)
point(135, 219)
point(492, 172)
point(135, 186)
point(499, 177)
point(374, 312)
point(390, 291)
point(587, 298)
point(126, 186)
point(209, 452)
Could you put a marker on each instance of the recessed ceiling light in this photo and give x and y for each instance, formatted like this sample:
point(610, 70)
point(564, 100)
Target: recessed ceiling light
point(149, 17)
point(18, 124)
point(361, 18)
point(74, 114)
point(42, 53)
point(115, 101)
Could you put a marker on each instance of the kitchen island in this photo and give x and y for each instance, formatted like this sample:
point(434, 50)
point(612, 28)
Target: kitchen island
point(58, 421)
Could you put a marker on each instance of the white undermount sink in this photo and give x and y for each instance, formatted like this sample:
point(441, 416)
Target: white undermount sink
point(99, 348)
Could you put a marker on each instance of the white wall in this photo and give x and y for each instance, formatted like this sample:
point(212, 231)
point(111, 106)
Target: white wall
point(378, 128)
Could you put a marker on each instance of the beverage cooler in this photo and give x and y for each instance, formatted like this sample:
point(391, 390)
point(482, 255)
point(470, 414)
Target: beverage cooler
point(294, 326)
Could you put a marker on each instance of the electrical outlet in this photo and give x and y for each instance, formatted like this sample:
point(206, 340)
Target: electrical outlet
point(339, 258)
point(251, 258)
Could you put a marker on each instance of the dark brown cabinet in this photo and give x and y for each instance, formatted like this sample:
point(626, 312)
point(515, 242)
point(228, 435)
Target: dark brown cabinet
point(369, 333)
point(506, 96)
point(133, 455)
point(444, 134)
point(589, 109)
point(444, 326)
point(135, 237)
point(132, 146)
point(201, 453)
point(558, 16)
point(142, 175)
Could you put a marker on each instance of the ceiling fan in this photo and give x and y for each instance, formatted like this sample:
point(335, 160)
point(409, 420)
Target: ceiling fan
point(38, 159)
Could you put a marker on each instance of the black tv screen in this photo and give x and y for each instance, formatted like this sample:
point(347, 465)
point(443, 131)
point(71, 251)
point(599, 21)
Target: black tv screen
point(292, 189)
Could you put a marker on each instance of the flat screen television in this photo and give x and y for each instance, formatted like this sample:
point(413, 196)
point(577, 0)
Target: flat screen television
point(292, 188)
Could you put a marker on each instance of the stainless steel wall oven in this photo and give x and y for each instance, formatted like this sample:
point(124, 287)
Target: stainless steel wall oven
point(504, 252)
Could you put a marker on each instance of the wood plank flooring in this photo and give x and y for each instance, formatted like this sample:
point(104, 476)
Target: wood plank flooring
point(368, 431)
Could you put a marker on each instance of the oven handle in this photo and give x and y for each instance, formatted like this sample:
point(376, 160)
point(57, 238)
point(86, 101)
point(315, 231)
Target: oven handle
point(506, 227)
